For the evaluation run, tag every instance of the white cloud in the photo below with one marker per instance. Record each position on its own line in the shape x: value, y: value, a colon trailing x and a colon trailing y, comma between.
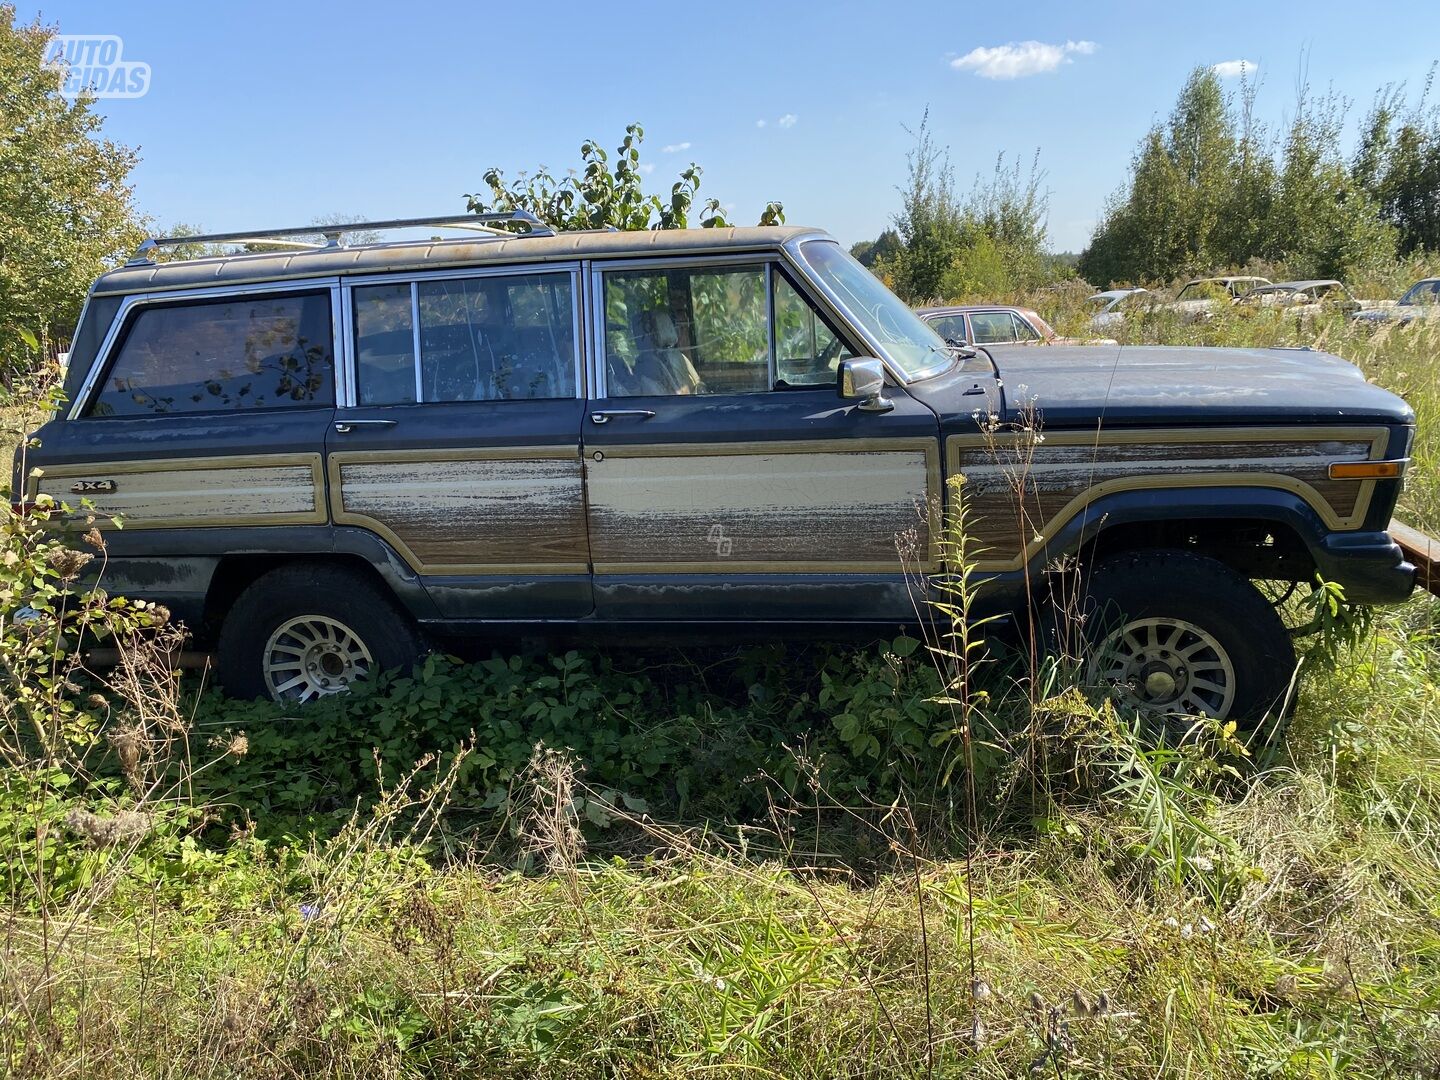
x: 647, y: 168
x: 759, y: 123
x: 789, y: 120
x: 675, y: 148
x: 1020, y: 58
x: 1229, y: 69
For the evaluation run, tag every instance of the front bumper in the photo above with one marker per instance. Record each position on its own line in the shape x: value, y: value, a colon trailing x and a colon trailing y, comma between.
x: 1369, y: 565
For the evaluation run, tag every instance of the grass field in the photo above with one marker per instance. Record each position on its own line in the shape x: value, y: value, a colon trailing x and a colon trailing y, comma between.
x: 731, y: 880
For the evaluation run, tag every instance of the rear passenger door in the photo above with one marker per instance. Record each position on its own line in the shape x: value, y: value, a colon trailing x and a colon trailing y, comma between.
x: 457, y: 441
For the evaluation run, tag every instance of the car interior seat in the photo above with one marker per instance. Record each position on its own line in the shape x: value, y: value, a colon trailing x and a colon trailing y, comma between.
x: 662, y: 368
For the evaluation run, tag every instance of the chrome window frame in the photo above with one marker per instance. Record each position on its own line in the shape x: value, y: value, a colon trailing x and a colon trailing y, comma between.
x: 766, y: 258
x: 130, y: 303
x: 794, y: 249
x: 349, y: 284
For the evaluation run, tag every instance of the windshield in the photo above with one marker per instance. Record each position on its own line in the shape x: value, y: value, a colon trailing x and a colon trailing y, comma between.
x: 909, y: 343
x: 1426, y: 292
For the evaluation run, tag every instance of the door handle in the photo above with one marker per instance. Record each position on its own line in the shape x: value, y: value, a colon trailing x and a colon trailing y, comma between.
x: 604, y: 416
x: 345, y: 427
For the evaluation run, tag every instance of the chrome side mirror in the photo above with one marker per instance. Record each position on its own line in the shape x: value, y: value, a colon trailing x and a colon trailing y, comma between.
x: 863, y: 379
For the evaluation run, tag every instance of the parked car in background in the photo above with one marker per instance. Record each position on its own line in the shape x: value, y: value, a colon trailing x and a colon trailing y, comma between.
x: 980, y: 324
x: 326, y: 459
x: 1420, y: 302
x: 1200, y: 297
x: 1113, y: 304
x: 1304, y: 297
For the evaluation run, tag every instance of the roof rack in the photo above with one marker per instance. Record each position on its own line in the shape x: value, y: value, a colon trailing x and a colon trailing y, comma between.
x: 484, y: 223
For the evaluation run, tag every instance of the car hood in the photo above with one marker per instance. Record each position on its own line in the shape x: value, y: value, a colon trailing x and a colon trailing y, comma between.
x: 1153, y: 385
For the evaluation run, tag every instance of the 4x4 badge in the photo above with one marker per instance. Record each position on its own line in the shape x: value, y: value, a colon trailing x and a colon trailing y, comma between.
x: 92, y: 487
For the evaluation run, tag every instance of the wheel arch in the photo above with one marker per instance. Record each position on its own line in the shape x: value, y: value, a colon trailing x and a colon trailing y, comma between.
x: 1259, y: 532
x: 355, y: 550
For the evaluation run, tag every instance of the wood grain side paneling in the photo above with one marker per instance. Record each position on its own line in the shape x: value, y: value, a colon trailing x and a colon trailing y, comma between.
x: 764, y: 508
x: 1020, y: 492
x: 279, y: 489
x: 468, y: 512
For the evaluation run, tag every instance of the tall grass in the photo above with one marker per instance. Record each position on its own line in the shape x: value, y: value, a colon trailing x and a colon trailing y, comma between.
x: 1069, y: 901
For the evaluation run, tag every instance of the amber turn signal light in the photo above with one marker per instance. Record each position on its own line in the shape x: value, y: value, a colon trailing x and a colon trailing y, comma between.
x: 1366, y: 470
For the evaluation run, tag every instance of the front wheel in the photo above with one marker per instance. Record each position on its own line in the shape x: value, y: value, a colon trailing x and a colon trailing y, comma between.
x: 1175, y: 635
x: 305, y: 631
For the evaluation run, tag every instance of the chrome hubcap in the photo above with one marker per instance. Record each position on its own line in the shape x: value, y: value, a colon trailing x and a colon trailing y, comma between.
x: 312, y: 656
x: 1167, y: 666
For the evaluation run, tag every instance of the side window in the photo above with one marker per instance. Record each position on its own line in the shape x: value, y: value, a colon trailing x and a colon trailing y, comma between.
x: 490, y: 338
x: 992, y: 327
x: 1023, y: 330
x: 231, y: 354
x: 696, y: 330
x: 807, y: 351
x: 951, y: 328
x: 384, y: 344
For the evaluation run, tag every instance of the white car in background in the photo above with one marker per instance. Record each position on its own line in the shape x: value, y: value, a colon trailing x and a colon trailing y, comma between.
x: 1201, y: 296
x: 1306, y: 297
x: 1421, y: 303
x: 1112, y: 305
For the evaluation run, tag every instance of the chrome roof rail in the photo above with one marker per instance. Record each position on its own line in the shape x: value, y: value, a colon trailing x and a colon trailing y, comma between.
x: 332, y: 233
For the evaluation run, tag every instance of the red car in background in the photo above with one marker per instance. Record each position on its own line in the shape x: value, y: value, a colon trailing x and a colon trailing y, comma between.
x: 982, y: 324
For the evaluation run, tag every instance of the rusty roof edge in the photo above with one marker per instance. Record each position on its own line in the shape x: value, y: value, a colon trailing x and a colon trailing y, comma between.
x: 422, y: 255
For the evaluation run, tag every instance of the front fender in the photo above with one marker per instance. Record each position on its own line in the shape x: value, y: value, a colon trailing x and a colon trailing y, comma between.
x: 1367, y: 562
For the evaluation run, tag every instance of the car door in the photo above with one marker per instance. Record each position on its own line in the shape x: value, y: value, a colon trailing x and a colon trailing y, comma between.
x: 725, y: 478
x: 458, y: 440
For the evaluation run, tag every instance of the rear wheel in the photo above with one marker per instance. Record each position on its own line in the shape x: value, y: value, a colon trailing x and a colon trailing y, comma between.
x: 302, y: 632
x: 1177, y: 635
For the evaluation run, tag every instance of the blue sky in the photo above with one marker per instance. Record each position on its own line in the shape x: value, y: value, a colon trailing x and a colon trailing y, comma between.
x: 268, y: 113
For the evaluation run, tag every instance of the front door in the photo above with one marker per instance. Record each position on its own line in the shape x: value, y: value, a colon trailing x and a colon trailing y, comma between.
x: 459, y: 442
x: 725, y: 477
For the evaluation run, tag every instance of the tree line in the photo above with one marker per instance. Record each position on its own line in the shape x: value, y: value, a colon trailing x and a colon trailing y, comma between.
x: 1209, y: 187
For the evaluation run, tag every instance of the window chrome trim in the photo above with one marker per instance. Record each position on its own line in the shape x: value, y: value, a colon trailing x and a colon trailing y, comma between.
x: 349, y: 284
x: 596, y: 360
x: 169, y: 296
x: 770, y: 324
x: 415, y: 343
x: 340, y: 322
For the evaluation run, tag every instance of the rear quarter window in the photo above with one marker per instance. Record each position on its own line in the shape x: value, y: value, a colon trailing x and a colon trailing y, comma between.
x: 237, y: 353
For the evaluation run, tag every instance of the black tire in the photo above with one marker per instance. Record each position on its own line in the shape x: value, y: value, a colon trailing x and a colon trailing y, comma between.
x: 302, y: 590
x: 1129, y: 589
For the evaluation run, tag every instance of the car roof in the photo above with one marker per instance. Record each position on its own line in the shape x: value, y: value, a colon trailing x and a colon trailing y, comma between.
x: 442, y: 255
x: 1304, y: 284
x: 1115, y: 293
x: 965, y: 309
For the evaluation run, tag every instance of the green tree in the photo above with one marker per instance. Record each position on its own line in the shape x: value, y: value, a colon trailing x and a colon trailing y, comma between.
x: 883, y: 249
x: 1168, y: 220
x: 605, y: 195
x: 1322, y: 222
x: 1208, y: 189
x: 989, y: 241
x: 1398, y: 166
x: 66, y: 211
x: 931, y: 222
